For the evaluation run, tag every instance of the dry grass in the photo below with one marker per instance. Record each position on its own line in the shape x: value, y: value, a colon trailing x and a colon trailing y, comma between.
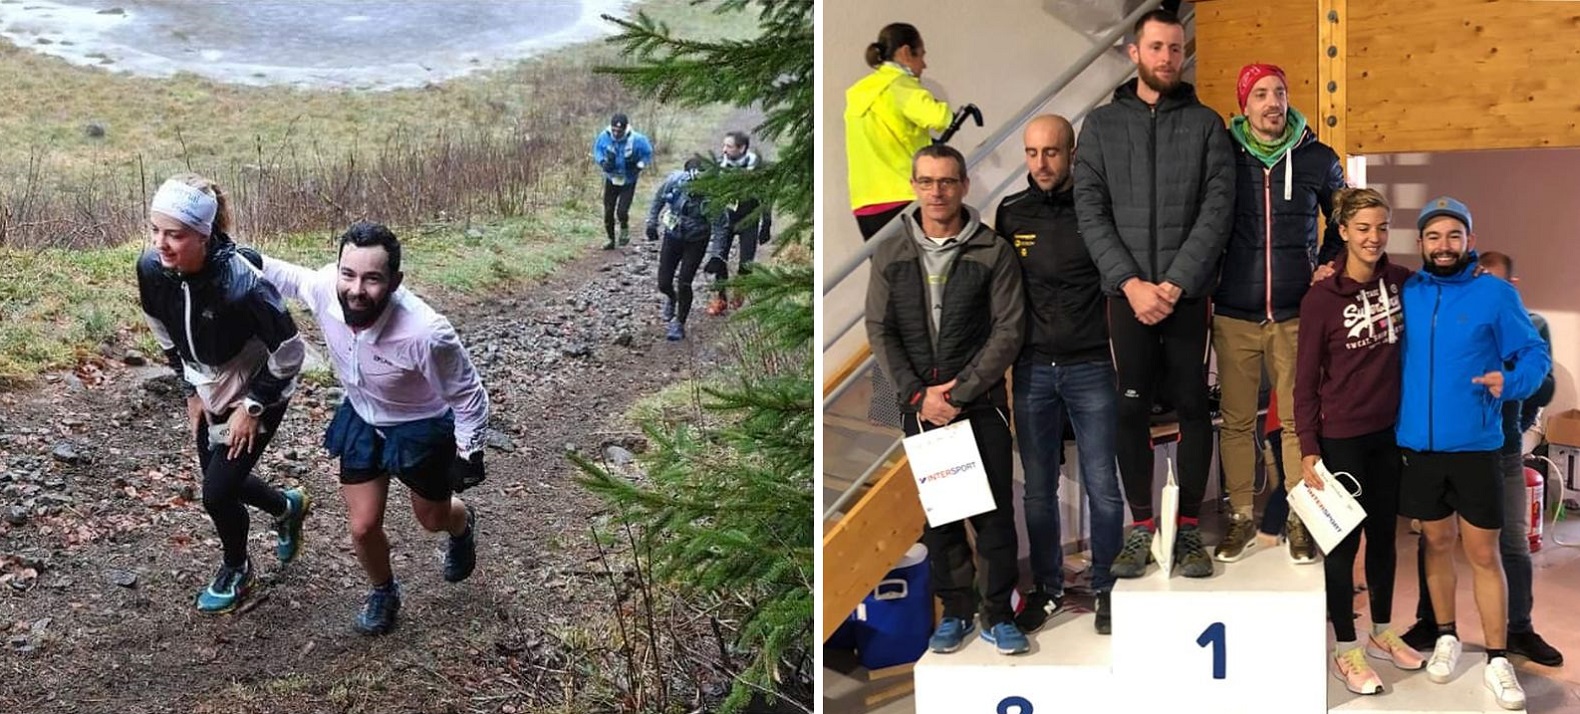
x: 58, y: 306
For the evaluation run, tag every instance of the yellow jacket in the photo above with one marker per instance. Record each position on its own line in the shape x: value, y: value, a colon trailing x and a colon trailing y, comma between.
x: 887, y: 116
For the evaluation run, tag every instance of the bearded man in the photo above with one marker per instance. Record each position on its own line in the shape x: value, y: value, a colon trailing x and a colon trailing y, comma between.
x: 414, y: 409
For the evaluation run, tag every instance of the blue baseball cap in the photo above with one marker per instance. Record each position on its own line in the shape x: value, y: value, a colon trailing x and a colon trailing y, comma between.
x: 1444, y: 206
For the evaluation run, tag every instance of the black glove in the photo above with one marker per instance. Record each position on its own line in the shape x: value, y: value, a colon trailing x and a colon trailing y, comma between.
x: 466, y: 473
x: 607, y: 166
x: 715, y: 266
x: 652, y: 231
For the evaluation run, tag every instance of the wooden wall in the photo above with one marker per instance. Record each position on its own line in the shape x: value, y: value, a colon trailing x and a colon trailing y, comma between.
x: 1444, y: 75
x: 1421, y: 76
x: 1233, y: 33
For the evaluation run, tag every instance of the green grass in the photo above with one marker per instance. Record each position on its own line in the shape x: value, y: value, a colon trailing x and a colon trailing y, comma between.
x: 58, y: 307
x: 45, y: 104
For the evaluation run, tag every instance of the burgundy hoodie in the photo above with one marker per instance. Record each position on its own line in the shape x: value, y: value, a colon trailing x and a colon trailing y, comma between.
x: 1347, y: 366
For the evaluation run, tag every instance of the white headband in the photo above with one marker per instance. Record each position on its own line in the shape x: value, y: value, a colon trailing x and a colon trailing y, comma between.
x: 187, y: 204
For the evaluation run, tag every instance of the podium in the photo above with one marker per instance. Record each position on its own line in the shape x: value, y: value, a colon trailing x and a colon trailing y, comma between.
x: 1251, y: 638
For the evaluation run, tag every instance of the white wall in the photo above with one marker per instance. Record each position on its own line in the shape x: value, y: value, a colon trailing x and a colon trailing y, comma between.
x: 997, y: 55
x: 1525, y: 203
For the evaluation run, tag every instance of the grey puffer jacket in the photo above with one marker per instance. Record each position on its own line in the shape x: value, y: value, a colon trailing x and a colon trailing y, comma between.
x: 1154, y: 190
x: 950, y: 311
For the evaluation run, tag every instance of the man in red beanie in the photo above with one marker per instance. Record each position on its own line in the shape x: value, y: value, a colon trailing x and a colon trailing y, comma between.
x: 1284, y: 176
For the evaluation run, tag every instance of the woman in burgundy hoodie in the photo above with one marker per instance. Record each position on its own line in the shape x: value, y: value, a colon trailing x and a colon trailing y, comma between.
x: 1347, y: 380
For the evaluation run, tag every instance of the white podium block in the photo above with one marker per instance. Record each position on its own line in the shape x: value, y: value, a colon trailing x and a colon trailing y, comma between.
x: 1252, y: 638
x: 1067, y: 670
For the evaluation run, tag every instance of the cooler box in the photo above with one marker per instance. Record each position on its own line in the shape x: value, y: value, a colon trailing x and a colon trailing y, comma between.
x: 895, y: 621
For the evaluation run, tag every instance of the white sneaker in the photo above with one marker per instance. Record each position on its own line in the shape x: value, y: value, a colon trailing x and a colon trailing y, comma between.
x: 1445, y: 658
x: 1499, y: 677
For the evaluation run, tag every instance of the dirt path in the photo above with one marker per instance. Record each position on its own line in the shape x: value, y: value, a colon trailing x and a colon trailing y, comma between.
x: 561, y: 359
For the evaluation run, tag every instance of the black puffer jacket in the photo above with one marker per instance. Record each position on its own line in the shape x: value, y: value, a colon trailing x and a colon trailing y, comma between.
x: 1065, y: 322
x: 207, y: 319
x: 1267, y: 265
x: 1154, y: 189
x: 979, y: 322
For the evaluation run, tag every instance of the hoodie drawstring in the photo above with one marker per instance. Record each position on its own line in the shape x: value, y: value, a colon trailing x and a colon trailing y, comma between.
x: 1289, y: 173
x: 1382, y: 289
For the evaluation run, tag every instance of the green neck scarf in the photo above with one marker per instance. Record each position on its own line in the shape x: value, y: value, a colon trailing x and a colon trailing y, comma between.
x: 1269, y: 153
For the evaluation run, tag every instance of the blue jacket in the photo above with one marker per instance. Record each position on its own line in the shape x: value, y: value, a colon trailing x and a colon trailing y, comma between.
x: 622, y: 160
x: 1458, y: 328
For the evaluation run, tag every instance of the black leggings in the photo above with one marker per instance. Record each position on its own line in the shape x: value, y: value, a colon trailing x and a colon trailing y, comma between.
x: 682, y: 256
x: 1373, y: 460
x: 228, y: 484
x: 617, y: 204
x: 954, y: 572
x: 1177, y: 345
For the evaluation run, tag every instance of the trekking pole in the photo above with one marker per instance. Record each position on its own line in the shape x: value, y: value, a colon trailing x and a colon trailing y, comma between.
x: 969, y: 110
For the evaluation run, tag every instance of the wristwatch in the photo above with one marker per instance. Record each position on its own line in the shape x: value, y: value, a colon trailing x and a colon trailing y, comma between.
x: 254, y: 409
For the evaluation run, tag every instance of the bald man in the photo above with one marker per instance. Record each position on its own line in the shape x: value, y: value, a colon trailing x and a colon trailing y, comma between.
x: 1064, y: 369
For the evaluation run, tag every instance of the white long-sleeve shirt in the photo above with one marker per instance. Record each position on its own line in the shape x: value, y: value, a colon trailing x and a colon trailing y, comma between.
x: 408, y: 365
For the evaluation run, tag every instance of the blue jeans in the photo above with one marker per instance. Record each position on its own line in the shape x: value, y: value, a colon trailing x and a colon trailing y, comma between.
x: 1044, y: 393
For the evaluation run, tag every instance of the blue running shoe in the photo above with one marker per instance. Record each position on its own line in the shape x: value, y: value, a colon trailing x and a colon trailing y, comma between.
x: 379, y: 610
x: 950, y: 635
x: 227, y: 591
x: 677, y: 331
x: 1007, y: 638
x: 288, y: 528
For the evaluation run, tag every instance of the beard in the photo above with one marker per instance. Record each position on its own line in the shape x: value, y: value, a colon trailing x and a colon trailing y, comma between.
x: 364, y: 317
x: 1430, y: 263
x: 1158, y: 84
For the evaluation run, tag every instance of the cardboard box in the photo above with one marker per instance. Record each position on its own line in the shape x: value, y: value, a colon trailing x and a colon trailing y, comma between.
x: 1564, y: 428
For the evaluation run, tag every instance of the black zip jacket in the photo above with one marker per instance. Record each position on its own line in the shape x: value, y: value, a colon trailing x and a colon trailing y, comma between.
x: 1273, y: 247
x: 1065, y: 321
x: 211, y: 323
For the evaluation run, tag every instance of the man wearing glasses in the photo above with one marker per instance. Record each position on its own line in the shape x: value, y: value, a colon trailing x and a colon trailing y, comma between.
x: 947, y: 351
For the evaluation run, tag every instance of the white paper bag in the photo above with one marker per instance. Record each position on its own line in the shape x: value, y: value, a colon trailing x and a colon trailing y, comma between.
x: 1168, y: 522
x: 1329, y: 514
x: 950, y: 477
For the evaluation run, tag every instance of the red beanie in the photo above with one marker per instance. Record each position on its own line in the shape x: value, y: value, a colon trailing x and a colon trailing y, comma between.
x: 1253, y: 73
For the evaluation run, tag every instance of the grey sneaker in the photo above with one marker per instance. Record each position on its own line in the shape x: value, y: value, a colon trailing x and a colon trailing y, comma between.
x: 1135, y: 555
x: 1302, y: 547
x: 1238, y: 541
x: 1189, y: 553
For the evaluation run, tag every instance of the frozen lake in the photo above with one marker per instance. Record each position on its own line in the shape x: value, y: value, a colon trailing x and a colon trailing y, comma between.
x: 382, y: 44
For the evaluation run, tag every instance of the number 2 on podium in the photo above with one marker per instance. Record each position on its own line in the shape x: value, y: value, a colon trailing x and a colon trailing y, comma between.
x: 1214, y: 635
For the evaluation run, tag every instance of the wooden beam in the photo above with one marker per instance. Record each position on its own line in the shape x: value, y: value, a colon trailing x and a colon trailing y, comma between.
x: 866, y: 544
x: 846, y: 369
x: 1333, y: 83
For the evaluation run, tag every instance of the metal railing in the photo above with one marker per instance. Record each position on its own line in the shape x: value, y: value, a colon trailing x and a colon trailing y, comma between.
x: 833, y: 278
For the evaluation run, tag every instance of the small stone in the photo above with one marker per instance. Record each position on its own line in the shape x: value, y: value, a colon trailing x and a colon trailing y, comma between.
x: 576, y: 350
x: 572, y: 448
x: 617, y: 455
x: 123, y: 578
x: 624, y: 339
x: 17, y: 515
x: 498, y: 441
x: 293, y: 455
x: 334, y: 396
x: 474, y: 233
x: 132, y: 358
x: 64, y: 453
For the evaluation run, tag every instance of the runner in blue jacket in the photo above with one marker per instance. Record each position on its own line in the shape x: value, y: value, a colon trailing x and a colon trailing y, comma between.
x: 1463, y: 330
x: 622, y: 153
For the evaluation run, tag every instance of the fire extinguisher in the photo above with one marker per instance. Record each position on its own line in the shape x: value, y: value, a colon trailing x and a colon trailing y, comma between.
x: 1534, y: 494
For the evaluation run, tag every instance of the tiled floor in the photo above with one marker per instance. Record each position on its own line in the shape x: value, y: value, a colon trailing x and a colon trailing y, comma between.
x: 1548, y: 690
